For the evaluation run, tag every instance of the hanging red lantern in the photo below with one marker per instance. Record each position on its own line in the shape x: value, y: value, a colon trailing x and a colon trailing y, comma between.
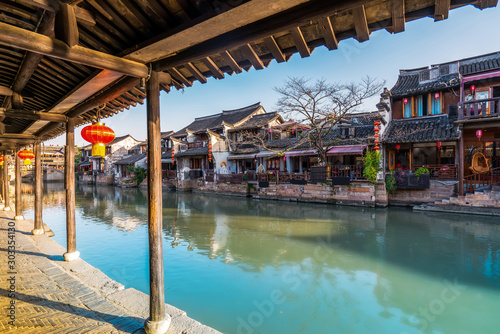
x: 438, y: 145
x: 473, y: 88
x: 376, y: 148
x: 376, y: 135
x: 284, y: 158
x: 376, y: 141
x: 479, y: 134
x: 398, y: 146
x: 405, y: 100
x: 26, y: 155
x: 436, y: 96
x: 99, y: 135
x: 376, y: 130
x: 173, y: 158
x: 376, y: 123
x: 1, y: 160
x: 209, y: 152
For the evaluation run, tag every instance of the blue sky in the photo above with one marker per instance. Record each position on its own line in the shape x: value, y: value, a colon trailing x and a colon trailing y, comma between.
x: 467, y: 32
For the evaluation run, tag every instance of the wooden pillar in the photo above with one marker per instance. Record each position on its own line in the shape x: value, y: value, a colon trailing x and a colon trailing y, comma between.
x: 461, y: 165
x: 2, y: 187
x: 38, y: 226
x: 158, y: 321
x: 18, y: 204
x: 6, y: 181
x: 69, y: 174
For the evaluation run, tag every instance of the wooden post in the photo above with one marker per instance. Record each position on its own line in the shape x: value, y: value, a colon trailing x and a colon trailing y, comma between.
x: 6, y: 181
x: 461, y: 165
x: 158, y: 321
x: 38, y: 226
x: 69, y: 174
x: 2, y: 187
x: 18, y: 204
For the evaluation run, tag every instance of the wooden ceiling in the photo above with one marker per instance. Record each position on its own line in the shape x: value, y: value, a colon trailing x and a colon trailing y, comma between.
x: 75, y: 58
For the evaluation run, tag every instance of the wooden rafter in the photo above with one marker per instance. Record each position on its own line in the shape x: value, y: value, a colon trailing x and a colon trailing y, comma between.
x: 26, y: 40
x: 300, y: 42
x: 216, y: 72
x: 398, y: 16
x: 66, y: 28
x: 180, y: 77
x: 325, y: 25
x: 273, y: 46
x: 252, y: 57
x: 441, y: 10
x: 231, y: 62
x: 82, y: 15
x: 361, y: 24
x: 196, y: 73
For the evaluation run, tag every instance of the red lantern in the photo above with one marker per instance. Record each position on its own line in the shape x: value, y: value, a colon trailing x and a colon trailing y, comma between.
x: 98, y: 134
x: 376, y: 123
x: 209, y: 152
x: 376, y: 148
x: 26, y: 155
x: 405, y: 100
x: 376, y: 130
x: 436, y: 96
x: 473, y: 88
x: 398, y: 146
x: 479, y: 134
x: 438, y: 145
x: 173, y: 153
x: 376, y: 141
x: 376, y: 135
x: 284, y: 158
x: 1, y: 160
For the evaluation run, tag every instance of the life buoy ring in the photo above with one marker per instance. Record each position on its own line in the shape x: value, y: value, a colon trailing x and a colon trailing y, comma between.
x: 223, y: 164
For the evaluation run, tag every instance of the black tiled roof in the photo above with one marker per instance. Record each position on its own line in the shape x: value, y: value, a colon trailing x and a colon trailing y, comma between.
x: 365, y: 118
x: 193, y: 152
x: 131, y: 159
x: 362, y: 135
x: 256, y: 121
x: 421, y: 129
x: 167, y: 154
x: 214, y: 122
x: 408, y: 80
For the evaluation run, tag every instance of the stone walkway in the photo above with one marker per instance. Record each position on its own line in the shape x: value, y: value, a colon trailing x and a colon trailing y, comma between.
x: 47, y: 295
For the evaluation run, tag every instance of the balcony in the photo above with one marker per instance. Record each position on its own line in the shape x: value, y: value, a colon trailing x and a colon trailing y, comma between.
x: 479, y: 108
x: 197, y: 144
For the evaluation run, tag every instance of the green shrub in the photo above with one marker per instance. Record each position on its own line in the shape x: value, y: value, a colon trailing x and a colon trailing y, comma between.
x: 421, y: 171
x: 371, y: 162
x: 390, y: 183
x: 139, y: 174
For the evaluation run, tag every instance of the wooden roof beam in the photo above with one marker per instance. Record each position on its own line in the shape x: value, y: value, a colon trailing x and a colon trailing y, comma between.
x: 325, y: 25
x: 83, y: 16
x: 361, y: 24
x: 300, y: 42
x: 32, y: 115
x: 66, y: 28
x: 254, y: 59
x: 441, y: 10
x: 398, y: 16
x: 273, y: 46
x: 134, y: 98
x: 216, y: 72
x: 231, y: 62
x: 197, y: 74
x: 26, y: 40
x: 6, y: 91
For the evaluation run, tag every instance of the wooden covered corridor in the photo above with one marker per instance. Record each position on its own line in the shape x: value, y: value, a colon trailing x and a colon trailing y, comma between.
x: 66, y: 63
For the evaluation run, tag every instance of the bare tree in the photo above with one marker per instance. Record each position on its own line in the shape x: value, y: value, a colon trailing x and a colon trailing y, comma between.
x: 322, y: 105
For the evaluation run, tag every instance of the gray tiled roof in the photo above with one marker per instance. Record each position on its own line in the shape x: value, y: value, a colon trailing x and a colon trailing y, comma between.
x: 408, y: 80
x: 421, y: 129
x: 214, y: 122
x: 131, y: 159
x: 256, y: 121
x: 362, y: 135
x: 167, y: 154
x: 193, y: 152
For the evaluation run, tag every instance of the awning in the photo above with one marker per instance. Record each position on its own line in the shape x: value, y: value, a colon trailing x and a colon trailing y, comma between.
x: 347, y: 150
x: 84, y: 164
x: 265, y: 154
x: 301, y: 153
x: 241, y: 156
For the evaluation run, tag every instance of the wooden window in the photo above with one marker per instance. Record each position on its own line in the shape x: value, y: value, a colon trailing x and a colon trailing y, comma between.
x: 195, y: 163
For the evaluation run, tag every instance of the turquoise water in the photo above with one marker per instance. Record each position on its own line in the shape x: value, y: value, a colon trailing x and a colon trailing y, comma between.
x: 247, y: 266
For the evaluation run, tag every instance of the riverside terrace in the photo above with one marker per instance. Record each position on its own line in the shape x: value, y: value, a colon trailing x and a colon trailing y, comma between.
x: 69, y: 63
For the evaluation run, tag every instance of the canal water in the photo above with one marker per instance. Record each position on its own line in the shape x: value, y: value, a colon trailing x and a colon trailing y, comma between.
x: 248, y: 266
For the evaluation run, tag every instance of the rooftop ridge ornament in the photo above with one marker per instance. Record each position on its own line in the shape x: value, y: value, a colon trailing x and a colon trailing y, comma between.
x: 99, y: 135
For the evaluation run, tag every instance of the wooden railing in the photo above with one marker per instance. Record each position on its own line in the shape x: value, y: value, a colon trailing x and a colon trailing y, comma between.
x: 354, y: 172
x: 443, y: 172
x: 479, y: 180
x: 476, y: 108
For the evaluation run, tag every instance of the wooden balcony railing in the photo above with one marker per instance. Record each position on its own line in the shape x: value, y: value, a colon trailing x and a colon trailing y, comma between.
x: 479, y: 180
x: 197, y: 144
x: 354, y: 172
x: 477, y: 108
x: 443, y: 172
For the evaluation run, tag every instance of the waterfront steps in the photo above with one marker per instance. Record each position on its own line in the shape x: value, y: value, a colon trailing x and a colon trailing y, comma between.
x: 52, y: 296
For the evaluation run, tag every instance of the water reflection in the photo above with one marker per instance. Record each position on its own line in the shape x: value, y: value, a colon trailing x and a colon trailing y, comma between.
x: 356, y: 268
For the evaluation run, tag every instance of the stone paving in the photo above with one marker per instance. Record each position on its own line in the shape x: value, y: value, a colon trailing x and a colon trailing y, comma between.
x: 47, y: 295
